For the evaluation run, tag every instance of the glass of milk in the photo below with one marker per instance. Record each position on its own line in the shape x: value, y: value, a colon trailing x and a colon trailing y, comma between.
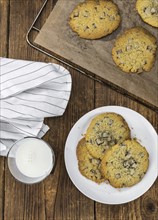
x: 30, y: 160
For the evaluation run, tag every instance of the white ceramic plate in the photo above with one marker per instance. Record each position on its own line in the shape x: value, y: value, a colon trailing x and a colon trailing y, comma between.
x: 104, y: 193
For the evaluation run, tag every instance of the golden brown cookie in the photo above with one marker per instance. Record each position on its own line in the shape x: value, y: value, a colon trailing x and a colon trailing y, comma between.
x: 104, y: 131
x: 125, y: 164
x: 148, y: 10
x: 94, y: 19
x: 135, y: 50
x: 88, y: 166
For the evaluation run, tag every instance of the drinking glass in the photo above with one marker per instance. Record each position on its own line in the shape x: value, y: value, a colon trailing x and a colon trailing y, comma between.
x: 30, y: 160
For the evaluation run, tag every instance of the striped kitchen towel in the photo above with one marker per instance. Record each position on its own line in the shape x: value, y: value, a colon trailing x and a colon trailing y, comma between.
x: 29, y: 92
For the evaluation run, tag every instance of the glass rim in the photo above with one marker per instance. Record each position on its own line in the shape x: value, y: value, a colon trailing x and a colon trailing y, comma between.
x: 44, y: 176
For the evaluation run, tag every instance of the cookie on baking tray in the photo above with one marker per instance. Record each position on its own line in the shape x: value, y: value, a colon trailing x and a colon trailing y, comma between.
x: 148, y: 10
x: 88, y: 166
x: 135, y: 50
x: 125, y: 164
x: 104, y: 131
x: 94, y: 19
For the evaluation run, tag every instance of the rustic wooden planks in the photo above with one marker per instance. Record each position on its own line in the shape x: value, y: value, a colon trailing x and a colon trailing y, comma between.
x: 56, y: 198
x: 4, y: 7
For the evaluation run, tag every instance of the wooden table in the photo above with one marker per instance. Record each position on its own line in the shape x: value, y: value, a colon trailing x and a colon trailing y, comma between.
x: 56, y: 197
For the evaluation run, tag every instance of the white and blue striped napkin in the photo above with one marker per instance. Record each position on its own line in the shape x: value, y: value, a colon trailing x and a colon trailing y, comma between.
x: 29, y: 92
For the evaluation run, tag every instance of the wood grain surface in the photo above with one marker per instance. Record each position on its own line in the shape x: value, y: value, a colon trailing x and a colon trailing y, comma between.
x: 56, y: 198
x: 95, y: 55
x: 4, y: 7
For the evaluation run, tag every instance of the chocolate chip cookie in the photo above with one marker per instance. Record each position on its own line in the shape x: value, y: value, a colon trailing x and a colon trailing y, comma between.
x: 94, y: 19
x: 88, y: 165
x: 125, y: 164
x: 148, y: 10
x: 104, y: 131
x: 134, y: 50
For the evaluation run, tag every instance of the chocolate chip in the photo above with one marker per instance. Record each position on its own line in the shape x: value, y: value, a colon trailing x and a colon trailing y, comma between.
x: 97, y: 124
x: 141, y: 154
x: 91, y: 141
x: 144, y: 9
x: 153, y: 11
x: 94, y: 25
x: 99, y: 141
x: 149, y: 48
x: 110, y: 122
x: 76, y: 14
x: 112, y: 143
x: 85, y: 13
x: 119, y: 51
x: 123, y: 145
x: 86, y: 28
x: 105, y: 134
x: 93, y: 171
x: 118, y: 176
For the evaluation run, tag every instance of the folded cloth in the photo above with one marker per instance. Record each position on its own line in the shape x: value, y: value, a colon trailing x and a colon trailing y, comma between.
x: 29, y: 92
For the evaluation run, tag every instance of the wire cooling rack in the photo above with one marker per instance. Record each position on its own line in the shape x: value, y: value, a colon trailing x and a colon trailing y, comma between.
x: 29, y: 39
